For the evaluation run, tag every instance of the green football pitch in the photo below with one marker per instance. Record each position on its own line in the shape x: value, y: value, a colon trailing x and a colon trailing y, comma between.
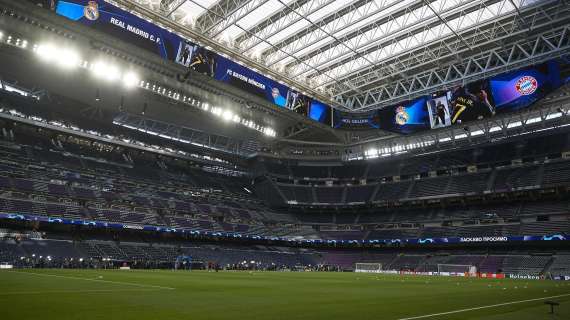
x: 142, y: 295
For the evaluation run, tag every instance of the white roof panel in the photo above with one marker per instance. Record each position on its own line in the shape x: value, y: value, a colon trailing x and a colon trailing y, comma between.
x: 372, y: 32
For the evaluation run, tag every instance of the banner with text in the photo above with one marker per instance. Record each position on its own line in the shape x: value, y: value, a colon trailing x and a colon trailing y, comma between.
x: 134, y: 30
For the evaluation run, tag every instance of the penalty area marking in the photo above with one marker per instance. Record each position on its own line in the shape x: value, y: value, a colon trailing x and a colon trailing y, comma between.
x: 483, y: 307
x: 95, y: 280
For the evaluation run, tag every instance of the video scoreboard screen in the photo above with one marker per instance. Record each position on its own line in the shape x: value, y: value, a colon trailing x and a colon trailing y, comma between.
x: 461, y: 104
x: 139, y: 32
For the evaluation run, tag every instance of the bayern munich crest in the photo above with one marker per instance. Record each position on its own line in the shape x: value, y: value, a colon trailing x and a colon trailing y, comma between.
x: 402, y: 116
x: 91, y: 11
x: 526, y: 85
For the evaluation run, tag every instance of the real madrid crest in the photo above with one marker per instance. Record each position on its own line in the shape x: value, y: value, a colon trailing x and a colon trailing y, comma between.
x: 402, y: 116
x: 91, y: 11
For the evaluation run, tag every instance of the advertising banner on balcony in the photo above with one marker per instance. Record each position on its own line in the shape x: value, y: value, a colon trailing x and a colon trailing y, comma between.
x: 22, y: 216
x: 137, y: 31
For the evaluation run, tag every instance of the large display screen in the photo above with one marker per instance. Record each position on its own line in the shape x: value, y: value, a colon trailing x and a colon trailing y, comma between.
x: 519, y: 89
x: 477, y: 100
x: 136, y: 31
x: 348, y: 120
x: 473, y: 101
x: 406, y: 117
x: 460, y: 104
x: 320, y: 112
x: 122, y: 25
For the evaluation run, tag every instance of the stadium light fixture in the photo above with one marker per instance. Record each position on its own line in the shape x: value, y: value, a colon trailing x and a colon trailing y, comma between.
x: 227, y: 115
x: 130, y: 79
x: 99, y: 69
x: 46, y: 52
x: 68, y: 58
x: 476, y: 133
x: 105, y: 71
x: 371, y: 153
x: 216, y: 111
x: 269, y: 132
x: 514, y: 124
x: 113, y: 73
x: 533, y: 120
x: 553, y: 115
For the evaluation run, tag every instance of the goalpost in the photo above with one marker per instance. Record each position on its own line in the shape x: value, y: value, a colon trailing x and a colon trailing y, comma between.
x: 368, y: 267
x: 454, y: 269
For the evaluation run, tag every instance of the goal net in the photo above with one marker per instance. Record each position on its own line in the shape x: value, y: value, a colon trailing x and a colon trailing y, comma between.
x: 368, y: 267
x: 455, y: 269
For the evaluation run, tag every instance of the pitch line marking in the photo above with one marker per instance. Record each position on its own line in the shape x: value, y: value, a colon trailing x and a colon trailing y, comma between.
x: 74, y: 291
x: 484, y: 307
x: 95, y: 280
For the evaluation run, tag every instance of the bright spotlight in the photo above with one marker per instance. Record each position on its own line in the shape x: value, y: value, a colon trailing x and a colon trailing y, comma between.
x: 68, y: 58
x: 371, y: 152
x: 236, y: 118
x: 269, y: 132
x: 104, y: 71
x: 46, y: 52
x: 227, y: 115
x: 130, y: 79
x: 113, y: 73
x: 99, y: 69
x: 217, y: 111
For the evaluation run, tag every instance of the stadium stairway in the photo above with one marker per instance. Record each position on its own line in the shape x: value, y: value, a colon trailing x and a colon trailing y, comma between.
x: 548, y: 265
x: 491, y: 181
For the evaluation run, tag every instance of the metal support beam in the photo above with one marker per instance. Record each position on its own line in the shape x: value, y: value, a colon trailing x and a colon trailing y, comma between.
x: 169, y: 6
x: 153, y: 14
x: 184, y: 135
x: 219, y: 12
x: 434, y: 67
x: 488, y: 63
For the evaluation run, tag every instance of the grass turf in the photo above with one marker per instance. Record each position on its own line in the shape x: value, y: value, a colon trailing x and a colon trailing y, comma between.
x: 142, y: 295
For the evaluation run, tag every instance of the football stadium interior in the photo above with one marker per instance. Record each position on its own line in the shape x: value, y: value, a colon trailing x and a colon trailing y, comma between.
x: 285, y: 159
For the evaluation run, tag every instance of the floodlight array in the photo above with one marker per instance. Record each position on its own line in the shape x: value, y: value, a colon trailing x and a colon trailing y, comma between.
x: 69, y: 59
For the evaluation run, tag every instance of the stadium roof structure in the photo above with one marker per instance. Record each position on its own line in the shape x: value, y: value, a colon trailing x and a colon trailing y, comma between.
x: 359, y: 55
